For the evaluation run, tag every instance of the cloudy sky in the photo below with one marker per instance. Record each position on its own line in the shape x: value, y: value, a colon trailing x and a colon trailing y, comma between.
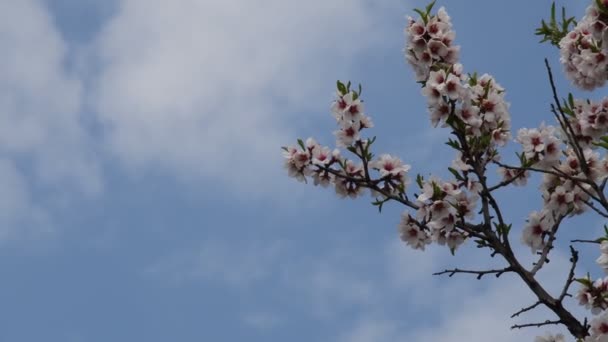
x: 143, y: 195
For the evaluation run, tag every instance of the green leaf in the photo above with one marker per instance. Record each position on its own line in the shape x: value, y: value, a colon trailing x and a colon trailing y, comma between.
x: 554, y: 31
x: 437, y: 191
x: 584, y: 281
x: 473, y: 79
x: 422, y: 15
x: 429, y: 7
x: 601, y: 144
x: 341, y: 88
x: 380, y: 202
x: 420, y: 181
x: 453, y: 144
x: 456, y: 174
x: 301, y: 143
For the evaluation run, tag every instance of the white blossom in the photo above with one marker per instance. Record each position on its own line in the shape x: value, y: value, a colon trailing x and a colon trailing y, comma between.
x: 599, y: 329
x: 537, y: 226
x: 411, y: 233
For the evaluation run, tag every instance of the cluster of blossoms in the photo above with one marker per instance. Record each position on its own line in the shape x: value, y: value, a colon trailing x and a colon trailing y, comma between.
x: 541, y: 146
x: 593, y: 295
x: 589, y: 121
x: 475, y: 109
x: 562, y: 192
x: 327, y: 167
x: 562, y: 196
x: 430, y: 43
x: 441, y: 205
x: 584, y: 50
x: 349, y: 113
x: 474, y: 105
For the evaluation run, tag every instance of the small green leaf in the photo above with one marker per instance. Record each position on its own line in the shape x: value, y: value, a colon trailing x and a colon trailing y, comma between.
x: 571, y: 100
x: 422, y: 15
x: 420, y: 181
x: 429, y: 7
x: 341, y: 88
x: 437, y: 191
x: 601, y: 144
x: 456, y: 174
x: 301, y: 143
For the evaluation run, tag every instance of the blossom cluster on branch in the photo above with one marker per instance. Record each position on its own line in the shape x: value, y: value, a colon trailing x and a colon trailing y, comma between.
x: 584, y: 50
x: 474, y: 109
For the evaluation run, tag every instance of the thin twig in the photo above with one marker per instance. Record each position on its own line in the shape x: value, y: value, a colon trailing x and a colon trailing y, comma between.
x: 547, y: 248
x: 479, y: 274
x: 571, y: 136
x: 586, y: 241
x: 596, y: 209
x: 526, y: 309
x: 538, y: 325
x: 555, y: 173
x: 570, y: 279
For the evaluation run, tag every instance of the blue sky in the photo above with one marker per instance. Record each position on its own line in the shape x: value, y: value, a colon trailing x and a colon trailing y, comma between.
x: 143, y: 192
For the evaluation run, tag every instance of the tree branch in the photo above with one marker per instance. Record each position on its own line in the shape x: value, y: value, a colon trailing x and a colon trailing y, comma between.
x: 547, y: 248
x: 479, y: 274
x: 538, y: 325
x: 570, y: 279
x: 526, y: 309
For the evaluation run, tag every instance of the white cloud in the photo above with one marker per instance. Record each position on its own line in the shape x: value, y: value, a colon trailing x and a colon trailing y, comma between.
x: 464, y: 309
x: 43, y: 143
x: 40, y: 101
x: 210, y: 87
x: 238, y: 264
x: 331, y: 284
x: 373, y: 330
x: 372, y: 296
